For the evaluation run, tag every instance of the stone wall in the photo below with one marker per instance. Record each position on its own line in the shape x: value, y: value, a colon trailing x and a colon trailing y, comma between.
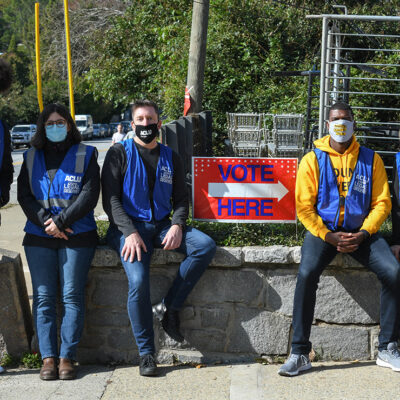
x: 240, y: 309
x: 16, y: 329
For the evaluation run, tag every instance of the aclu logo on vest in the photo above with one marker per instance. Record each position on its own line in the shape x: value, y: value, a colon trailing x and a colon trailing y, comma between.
x: 361, y: 183
x: 166, y: 175
x: 72, y: 184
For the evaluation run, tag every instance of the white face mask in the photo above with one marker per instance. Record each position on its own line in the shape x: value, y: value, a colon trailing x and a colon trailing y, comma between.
x: 341, y: 130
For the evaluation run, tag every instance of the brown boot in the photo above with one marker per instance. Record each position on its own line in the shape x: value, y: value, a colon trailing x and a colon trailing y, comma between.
x: 66, y: 369
x: 48, y: 371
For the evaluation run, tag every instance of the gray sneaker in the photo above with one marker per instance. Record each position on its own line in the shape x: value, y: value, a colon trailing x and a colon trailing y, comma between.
x: 389, y: 358
x: 295, y: 364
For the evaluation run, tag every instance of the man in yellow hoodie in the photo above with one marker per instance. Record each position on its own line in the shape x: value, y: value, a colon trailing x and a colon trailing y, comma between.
x: 342, y: 198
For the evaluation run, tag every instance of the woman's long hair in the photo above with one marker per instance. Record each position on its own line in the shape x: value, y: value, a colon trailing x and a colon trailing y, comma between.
x: 39, y: 140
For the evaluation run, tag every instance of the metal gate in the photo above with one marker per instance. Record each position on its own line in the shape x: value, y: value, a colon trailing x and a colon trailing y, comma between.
x: 360, y: 64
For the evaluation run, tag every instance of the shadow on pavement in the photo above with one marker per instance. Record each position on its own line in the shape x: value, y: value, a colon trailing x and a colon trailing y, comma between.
x: 342, y: 366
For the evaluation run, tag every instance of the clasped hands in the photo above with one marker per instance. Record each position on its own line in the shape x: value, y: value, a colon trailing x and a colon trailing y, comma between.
x: 52, y: 230
x: 134, y: 243
x: 345, y: 242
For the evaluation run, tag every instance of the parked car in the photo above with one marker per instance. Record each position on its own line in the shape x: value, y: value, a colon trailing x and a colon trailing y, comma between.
x: 105, y: 130
x: 21, y: 135
x: 84, y: 123
x: 96, y: 130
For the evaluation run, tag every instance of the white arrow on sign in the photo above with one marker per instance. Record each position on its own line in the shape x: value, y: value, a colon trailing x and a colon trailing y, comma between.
x: 248, y: 190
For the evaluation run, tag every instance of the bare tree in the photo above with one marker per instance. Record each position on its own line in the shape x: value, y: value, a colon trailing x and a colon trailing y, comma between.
x: 88, y: 22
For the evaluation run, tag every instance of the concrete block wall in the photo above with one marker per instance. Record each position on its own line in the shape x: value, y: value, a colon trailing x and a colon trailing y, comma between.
x: 240, y: 309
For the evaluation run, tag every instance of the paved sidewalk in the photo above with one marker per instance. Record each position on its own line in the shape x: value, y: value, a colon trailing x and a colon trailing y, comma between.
x: 328, y: 380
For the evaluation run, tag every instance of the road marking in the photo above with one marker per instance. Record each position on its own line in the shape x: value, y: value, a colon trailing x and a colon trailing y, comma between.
x: 245, y: 382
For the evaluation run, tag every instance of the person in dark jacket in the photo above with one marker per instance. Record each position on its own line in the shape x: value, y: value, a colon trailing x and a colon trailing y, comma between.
x: 6, y: 166
x: 58, y: 188
x: 143, y: 183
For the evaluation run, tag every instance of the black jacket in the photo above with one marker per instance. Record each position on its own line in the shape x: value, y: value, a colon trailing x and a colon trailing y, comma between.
x: 7, y: 169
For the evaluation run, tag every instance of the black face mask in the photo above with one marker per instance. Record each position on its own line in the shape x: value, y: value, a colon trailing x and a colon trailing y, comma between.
x: 146, y: 133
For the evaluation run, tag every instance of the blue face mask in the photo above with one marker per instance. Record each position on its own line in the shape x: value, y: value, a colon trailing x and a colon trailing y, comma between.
x: 55, y: 133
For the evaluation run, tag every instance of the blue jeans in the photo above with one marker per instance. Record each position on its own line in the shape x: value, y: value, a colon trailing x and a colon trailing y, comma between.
x: 199, y: 250
x: 375, y: 254
x: 50, y: 267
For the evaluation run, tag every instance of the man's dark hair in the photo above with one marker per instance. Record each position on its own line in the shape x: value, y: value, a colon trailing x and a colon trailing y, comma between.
x: 341, y: 105
x: 39, y: 140
x: 5, y: 75
x: 144, y: 103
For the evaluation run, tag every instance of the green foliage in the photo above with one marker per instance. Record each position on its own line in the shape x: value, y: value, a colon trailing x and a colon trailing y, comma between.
x: 238, y: 235
x: 7, y: 361
x: 31, y: 360
x: 102, y: 227
x: 144, y: 53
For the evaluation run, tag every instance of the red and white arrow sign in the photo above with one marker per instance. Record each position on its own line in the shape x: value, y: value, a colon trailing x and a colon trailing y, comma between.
x: 248, y: 190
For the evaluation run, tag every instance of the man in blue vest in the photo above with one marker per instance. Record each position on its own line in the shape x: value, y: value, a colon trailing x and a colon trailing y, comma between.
x: 143, y: 182
x: 6, y: 166
x: 342, y: 198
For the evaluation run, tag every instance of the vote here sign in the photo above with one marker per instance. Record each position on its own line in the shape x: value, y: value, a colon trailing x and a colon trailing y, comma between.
x: 232, y: 189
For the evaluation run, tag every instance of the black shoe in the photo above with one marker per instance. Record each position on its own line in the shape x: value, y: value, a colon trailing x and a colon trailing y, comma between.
x: 148, y: 366
x: 171, y: 324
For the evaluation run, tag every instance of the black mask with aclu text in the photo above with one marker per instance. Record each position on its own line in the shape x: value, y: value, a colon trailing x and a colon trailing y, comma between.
x: 146, y: 133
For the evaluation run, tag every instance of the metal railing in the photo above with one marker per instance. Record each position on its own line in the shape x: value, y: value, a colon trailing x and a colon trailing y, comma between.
x: 360, y: 65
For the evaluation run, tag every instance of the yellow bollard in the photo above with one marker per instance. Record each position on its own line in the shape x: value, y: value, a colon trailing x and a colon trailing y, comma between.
x: 70, y: 82
x: 37, y: 46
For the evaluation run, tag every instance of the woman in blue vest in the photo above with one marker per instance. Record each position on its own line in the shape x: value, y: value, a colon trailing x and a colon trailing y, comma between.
x: 58, y: 188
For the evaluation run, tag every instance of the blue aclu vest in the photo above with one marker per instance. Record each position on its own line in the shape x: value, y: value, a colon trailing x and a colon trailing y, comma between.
x: 135, y: 196
x: 358, y: 200
x: 1, y: 146
x: 398, y: 166
x: 63, y: 190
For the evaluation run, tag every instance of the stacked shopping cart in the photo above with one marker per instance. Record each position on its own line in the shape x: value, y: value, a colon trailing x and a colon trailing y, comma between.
x: 287, y: 136
x: 245, y: 134
x: 249, y: 136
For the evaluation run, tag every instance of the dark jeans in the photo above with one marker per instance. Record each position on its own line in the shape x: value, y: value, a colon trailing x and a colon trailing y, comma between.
x: 375, y: 254
x: 50, y: 267
x: 199, y: 250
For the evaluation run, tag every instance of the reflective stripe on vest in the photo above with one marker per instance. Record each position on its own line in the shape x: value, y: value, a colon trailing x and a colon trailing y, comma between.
x: 358, y: 199
x: 135, y: 193
x: 1, y: 146
x: 65, y: 187
x: 79, y: 169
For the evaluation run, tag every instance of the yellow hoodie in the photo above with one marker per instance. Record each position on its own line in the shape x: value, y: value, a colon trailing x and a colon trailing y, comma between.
x: 344, y: 165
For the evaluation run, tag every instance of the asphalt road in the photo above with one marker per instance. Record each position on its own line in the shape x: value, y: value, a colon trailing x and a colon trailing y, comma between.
x: 102, y: 146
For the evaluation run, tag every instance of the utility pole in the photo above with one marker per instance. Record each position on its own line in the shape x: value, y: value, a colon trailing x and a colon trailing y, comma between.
x: 197, y: 54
